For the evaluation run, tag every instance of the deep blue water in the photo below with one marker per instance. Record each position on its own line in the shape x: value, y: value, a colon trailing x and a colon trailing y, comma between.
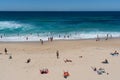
x: 78, y: 25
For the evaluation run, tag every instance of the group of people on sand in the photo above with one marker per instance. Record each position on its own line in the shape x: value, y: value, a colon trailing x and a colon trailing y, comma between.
x: 115, y: 53
x: 66, y: 74
x: 46, y: 71
x: 6, y: 52
x: 100, y: 71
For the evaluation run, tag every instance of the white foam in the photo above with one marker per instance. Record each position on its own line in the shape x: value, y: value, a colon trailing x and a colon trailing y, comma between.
x: 72, y: 35
x: 12, y: 25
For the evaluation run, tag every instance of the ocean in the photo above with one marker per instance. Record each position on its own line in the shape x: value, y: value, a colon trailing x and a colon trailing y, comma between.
x: 16, y: 26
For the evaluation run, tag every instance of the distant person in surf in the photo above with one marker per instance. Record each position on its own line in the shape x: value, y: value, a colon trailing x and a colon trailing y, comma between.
x: 59, y: 36
x: 1, y: 36
x: 4, y: 34
x: 18, y: 34
x: 51, y: 39
x: 111, y: 36
x: 48, y: 38
x: 41, y: 41
x: 38, y: 34
x: 107, y: 37
x: 64, y: 36
x: 26, y: 38
x: 68, y: 36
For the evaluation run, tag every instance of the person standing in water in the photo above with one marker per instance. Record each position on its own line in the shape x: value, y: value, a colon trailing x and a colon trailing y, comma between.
x: 26, y: 38
x: 97, y: 39
x: 41, y: 41
x: 1, y: 36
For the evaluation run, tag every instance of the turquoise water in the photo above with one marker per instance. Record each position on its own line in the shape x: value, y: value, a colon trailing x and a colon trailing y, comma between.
x: 16, y: 26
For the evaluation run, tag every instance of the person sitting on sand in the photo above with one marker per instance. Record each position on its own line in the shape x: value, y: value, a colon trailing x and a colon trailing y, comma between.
x: 10, y: 57
x: 44, y: 71
x: 67, y: 60
x: 28, y: 60
x: 80, y: 56
x: 66, y: 74
x: 116, y: 52
x: 105, y: 62
x: 5, y: 50
x: 94, y: 68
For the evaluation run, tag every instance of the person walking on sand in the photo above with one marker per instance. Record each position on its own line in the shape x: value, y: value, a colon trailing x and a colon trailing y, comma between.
x: 97, y: 39
x: 5, y: 51
x: 107, y: 37
x: 41, y: 41
x: 57, y: 54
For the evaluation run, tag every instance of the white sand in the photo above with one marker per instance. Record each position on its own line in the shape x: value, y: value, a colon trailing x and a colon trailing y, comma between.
x: 44, y: 56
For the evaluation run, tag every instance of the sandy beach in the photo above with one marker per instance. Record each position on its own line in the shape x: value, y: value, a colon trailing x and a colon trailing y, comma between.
x: 84, y: 55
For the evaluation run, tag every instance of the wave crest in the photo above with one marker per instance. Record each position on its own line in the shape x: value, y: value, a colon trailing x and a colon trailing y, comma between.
x: 11, y: 25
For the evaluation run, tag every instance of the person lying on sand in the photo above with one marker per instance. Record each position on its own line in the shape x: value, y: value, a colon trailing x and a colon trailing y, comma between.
x: 66, y: 74
x: 44, y: 71
x: 67, y: 60
x: 100, y: 71
x: 115, y: 53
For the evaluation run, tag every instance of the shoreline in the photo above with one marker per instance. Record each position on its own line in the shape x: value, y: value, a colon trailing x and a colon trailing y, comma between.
x: 28, y: 41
